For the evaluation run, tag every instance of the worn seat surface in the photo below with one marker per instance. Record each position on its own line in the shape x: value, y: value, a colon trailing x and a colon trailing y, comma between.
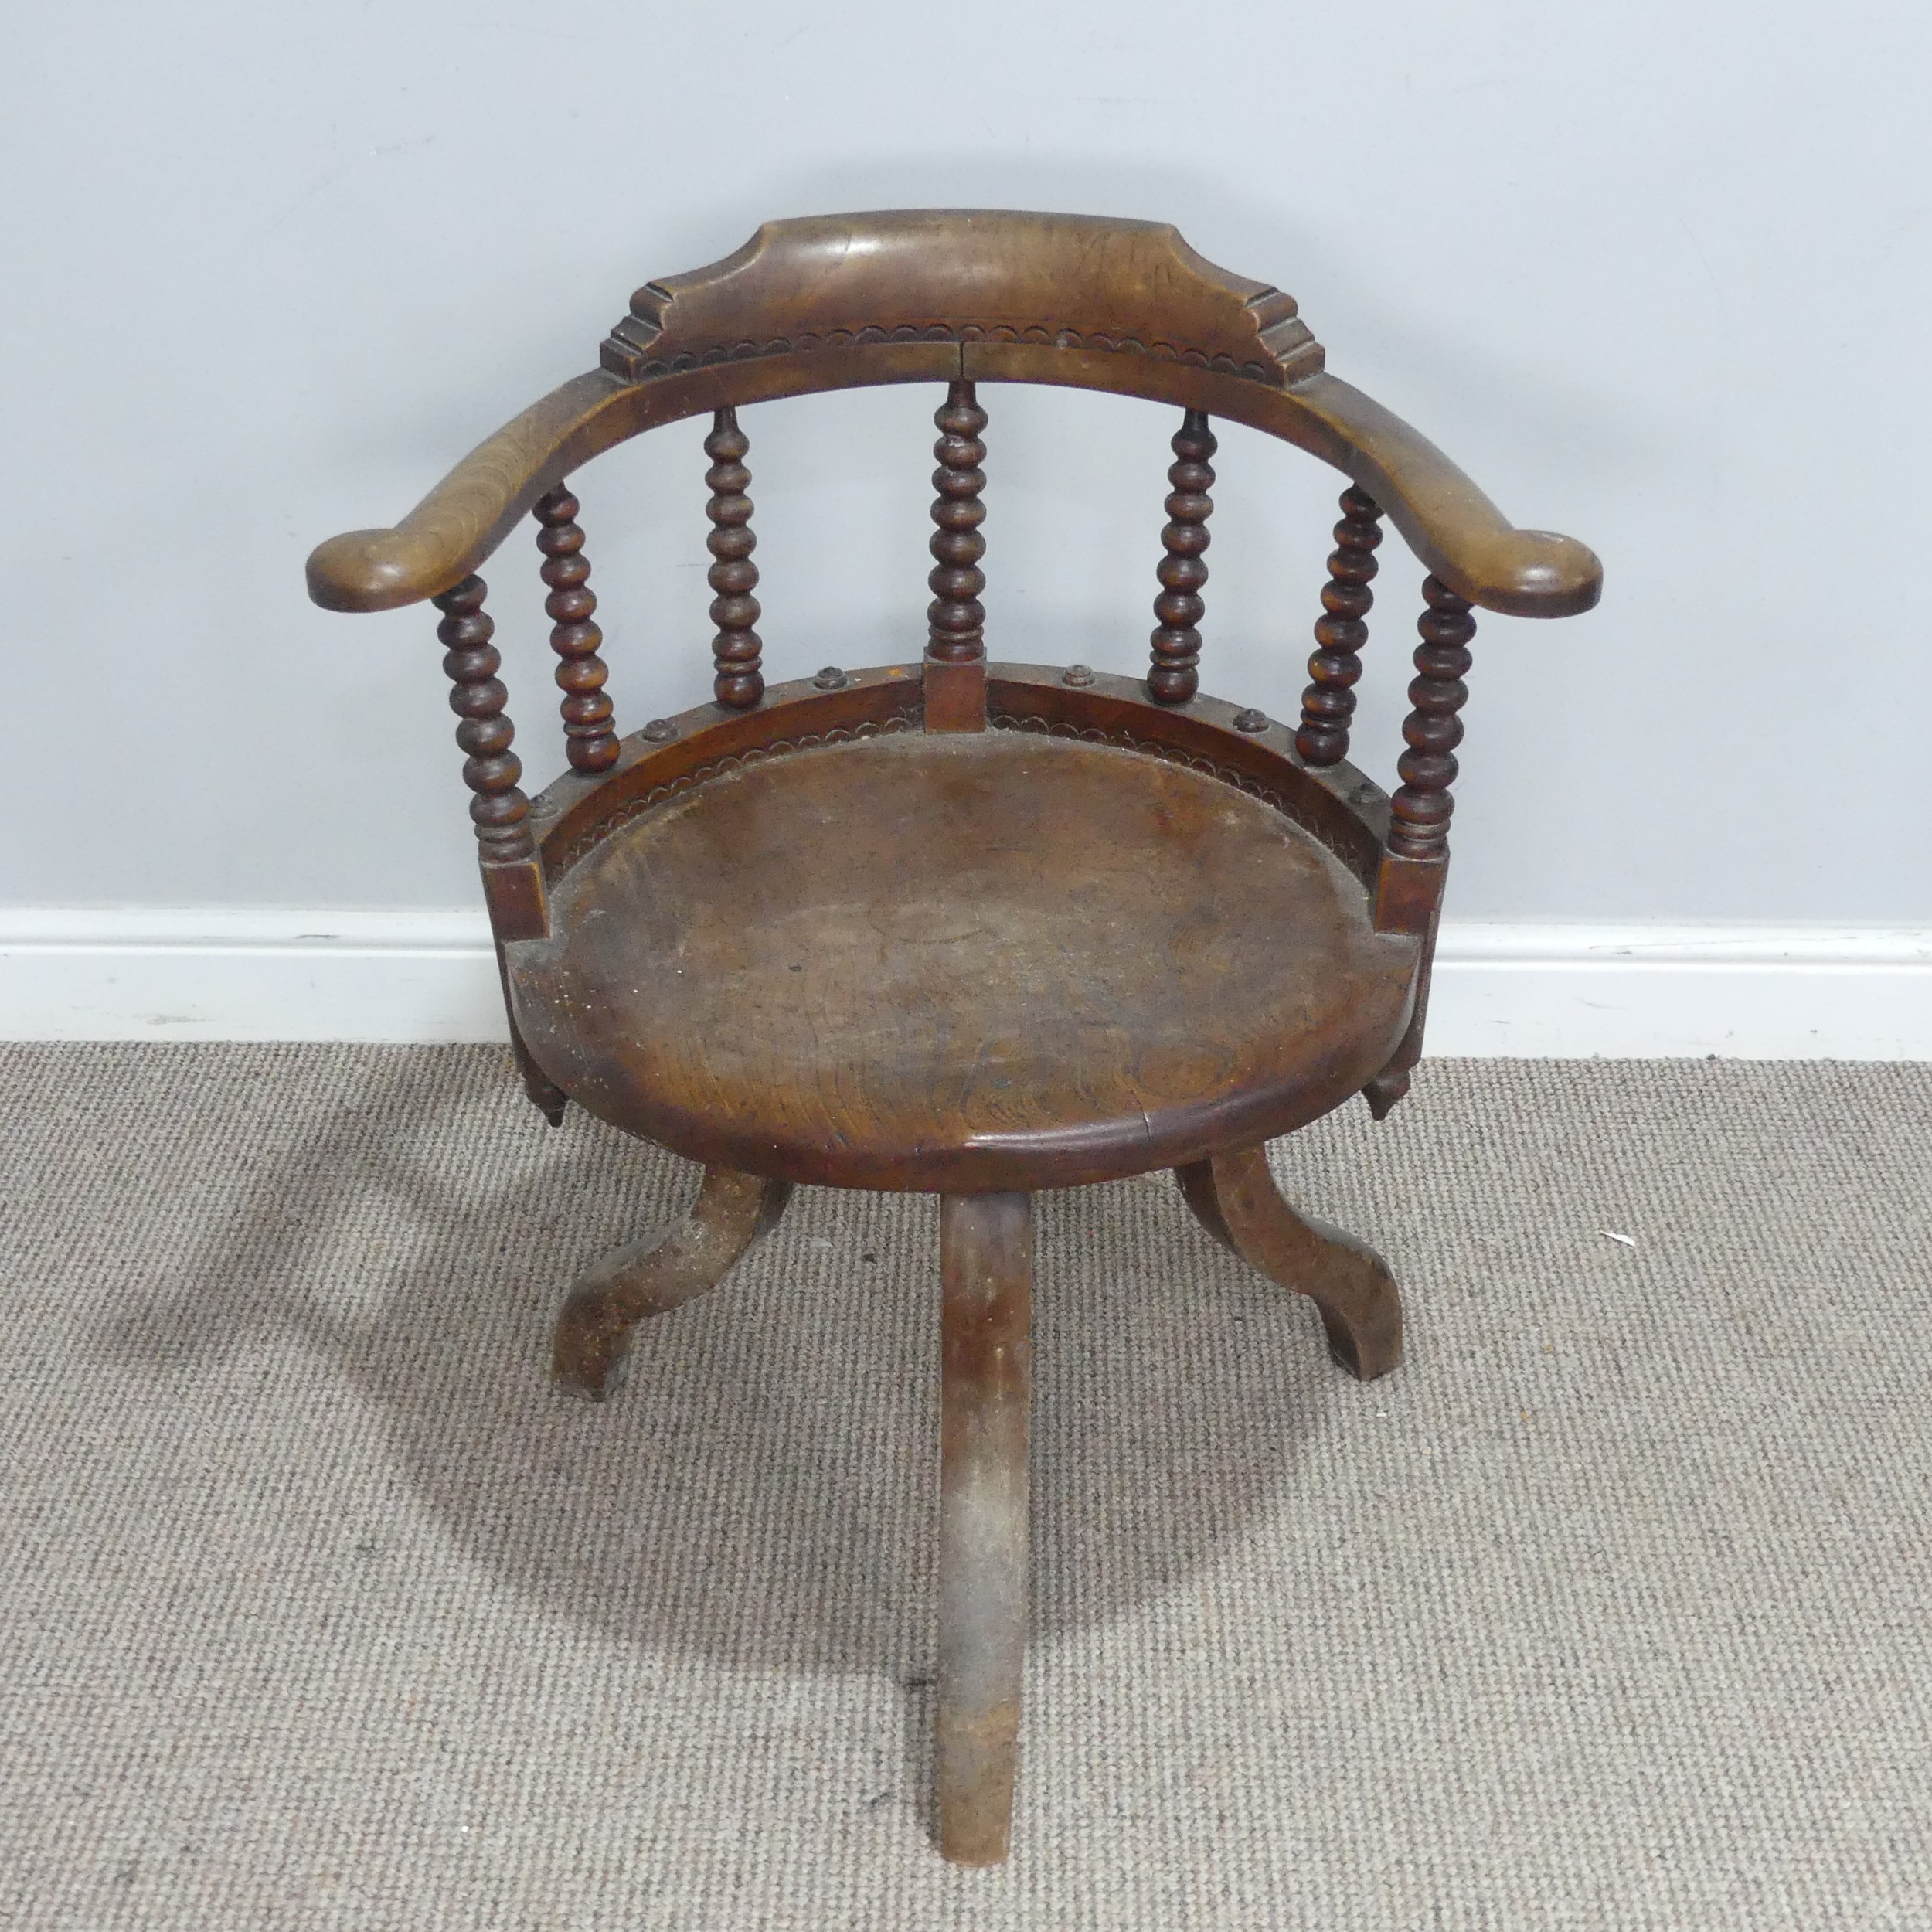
x: 910, y: 960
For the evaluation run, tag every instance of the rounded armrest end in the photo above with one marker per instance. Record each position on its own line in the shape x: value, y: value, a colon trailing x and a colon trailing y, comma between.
x: 1545, y: 576
x: 375, y: 570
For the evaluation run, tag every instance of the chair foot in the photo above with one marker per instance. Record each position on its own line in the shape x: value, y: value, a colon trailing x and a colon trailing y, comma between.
x: 549, y: 1101
x: 1234, y: 1197
x: 594, y: 1331
x: 543, y: 1093
x: 986, y: 1268
x: 1384, y: 1090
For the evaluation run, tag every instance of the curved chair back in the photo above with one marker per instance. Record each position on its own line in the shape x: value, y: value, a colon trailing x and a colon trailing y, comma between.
x: 963, y: 298
x: 940, y: 295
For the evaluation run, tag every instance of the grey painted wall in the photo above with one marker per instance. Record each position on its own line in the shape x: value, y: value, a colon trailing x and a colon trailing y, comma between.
x: 1655, y: 274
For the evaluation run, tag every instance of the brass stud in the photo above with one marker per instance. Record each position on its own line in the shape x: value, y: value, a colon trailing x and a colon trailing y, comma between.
x: 831, y: 678
x: 1078, y: 675
x: 1250, y: 721
x: 659, y: 730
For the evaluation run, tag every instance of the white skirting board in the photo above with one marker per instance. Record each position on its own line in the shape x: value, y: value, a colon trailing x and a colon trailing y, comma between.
x: 1564, y: 990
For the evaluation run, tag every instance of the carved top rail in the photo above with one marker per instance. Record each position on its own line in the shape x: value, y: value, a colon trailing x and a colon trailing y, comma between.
x: 936, y: 275
x: 837, y: 301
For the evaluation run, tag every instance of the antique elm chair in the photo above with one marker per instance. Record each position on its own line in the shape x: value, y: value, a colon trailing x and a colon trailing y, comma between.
x: 964, y: 927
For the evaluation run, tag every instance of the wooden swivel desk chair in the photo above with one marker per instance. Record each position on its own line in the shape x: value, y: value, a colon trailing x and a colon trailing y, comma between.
x: 969, y: 928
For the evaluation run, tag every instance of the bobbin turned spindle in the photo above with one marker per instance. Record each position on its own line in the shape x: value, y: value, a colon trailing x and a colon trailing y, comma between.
x: 955, y: 669
x: 499, y: 810
x: 1329, y: 703
x: 589, y: 742
x: 737, y: 651
x: 1419, y: 811
x: 1183, y: 571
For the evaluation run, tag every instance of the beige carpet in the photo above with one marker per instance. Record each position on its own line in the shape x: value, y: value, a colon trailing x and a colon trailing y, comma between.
x: 319, y: 1608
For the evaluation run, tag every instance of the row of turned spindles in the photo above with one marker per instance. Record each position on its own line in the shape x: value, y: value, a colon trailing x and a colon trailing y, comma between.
x: 1419, y: 809
x: 1422, y: 804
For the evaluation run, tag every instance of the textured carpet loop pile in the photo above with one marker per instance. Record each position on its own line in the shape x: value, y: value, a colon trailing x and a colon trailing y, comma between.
x: 320, y: 1608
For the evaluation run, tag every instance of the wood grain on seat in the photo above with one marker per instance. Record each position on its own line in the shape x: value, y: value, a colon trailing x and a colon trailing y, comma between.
x: 940, y: 960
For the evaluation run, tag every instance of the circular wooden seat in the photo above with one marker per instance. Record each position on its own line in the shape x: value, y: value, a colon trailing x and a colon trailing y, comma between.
x: 960, y: 962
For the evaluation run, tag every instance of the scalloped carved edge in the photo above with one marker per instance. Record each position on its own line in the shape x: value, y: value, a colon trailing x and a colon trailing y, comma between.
x: 587, y: 842
x: 1125, y: 740
x: 1129, y: 288
x: 623, y: 355
x: 910, y: 720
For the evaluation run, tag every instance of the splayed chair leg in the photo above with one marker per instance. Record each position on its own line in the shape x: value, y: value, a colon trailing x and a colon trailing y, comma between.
x: 1234, y: 1197
x: 594, y: 1331
x: 986, y: 1266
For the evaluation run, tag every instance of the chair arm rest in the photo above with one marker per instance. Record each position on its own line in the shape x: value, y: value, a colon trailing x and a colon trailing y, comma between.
x: 1451, y: 525
x: 464, y: 519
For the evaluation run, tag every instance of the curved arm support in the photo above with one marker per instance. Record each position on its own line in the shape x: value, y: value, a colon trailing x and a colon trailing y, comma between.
x: 464, y: 518
x: 451, y: 532
x: 1450, y: 524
